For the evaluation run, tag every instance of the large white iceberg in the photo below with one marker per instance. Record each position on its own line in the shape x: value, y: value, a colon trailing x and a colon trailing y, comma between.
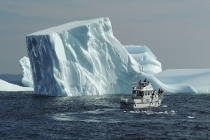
x: 84, y: 58
x: 80, y: 58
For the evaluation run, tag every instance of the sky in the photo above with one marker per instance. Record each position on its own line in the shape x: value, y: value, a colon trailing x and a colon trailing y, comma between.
x: 177, y: 32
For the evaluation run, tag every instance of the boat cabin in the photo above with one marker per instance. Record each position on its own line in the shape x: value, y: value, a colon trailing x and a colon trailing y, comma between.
x: 142, y: 89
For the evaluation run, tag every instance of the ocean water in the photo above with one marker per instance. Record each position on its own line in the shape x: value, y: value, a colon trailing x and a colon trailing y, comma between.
x: 24, y: 115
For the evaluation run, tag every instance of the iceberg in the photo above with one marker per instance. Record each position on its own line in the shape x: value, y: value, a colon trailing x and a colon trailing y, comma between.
x: 80, y: 58
x: 84, y: 58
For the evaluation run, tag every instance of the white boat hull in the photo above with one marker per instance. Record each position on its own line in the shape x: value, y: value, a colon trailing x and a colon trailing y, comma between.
x: 139, y: 103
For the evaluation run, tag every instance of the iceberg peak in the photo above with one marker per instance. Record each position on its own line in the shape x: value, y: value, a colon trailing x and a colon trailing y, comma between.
x: 75, y: 24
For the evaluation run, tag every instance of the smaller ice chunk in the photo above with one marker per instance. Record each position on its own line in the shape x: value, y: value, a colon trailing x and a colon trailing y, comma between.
x: 5, y: 86
x: 197, y: 78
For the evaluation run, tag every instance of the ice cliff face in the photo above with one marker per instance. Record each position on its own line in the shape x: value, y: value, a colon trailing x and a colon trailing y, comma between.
x: 80, y: 58
x: 142, y: 54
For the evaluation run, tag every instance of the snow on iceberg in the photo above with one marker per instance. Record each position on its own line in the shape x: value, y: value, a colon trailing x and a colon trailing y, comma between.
x: 27, y: 79
x: 80, y: 58
x: 145, y: 58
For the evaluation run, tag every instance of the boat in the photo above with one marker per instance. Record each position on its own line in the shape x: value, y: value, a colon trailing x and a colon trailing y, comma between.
x: 143, y: 96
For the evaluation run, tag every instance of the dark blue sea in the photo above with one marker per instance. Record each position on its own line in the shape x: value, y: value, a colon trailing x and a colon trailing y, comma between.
x: 24, y: 115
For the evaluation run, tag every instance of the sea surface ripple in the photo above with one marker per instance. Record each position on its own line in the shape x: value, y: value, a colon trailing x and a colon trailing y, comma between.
x: 28, y: 116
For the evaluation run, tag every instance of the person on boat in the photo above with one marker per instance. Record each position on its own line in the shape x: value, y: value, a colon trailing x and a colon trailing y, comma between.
x: 144, y: 83
x: 140, y: 82
x: 153, y: 93
x: 133, y: 89
x: 133, y: 93
x: 141, y: 95
x: 145, y: 80
x: 160, y: 91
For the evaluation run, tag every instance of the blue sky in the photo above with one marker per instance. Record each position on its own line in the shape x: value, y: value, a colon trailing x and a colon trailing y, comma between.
x: 177, y: 32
